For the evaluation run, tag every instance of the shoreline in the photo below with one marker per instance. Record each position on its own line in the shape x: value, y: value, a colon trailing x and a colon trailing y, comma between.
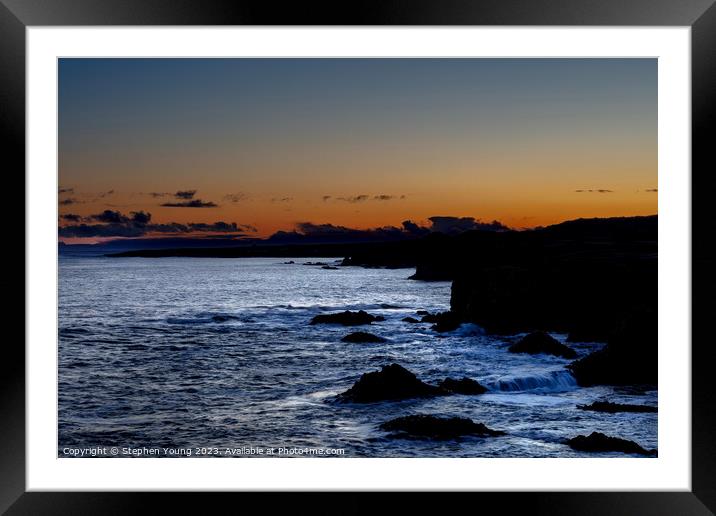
x: 594, y: 279
x: 498, y: 288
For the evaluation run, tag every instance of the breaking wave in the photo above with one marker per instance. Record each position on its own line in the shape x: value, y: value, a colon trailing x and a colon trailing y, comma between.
x: 553, y: 381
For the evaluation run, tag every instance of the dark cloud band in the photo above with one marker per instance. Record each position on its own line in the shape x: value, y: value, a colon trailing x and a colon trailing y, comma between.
x: 194, y: 203
x: 185, y: 194
x: 600, y: 190
x: 138, y: 223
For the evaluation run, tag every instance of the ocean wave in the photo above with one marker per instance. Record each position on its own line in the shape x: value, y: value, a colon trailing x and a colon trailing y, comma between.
x: 552, y: 381
x: 469, y: 330
x: 260, y: 373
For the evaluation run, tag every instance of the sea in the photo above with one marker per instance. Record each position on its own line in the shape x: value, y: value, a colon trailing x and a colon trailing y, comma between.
x: 214, y: 357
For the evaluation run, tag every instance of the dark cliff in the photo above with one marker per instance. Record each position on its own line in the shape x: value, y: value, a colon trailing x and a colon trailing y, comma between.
x: 593, y: 279
x: 581, y: 277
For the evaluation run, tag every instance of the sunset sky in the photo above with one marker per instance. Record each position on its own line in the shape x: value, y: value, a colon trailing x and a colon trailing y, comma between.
x: 362, y: 143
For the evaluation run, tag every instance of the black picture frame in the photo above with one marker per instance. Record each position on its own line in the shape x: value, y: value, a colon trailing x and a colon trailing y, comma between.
x: 700, y: 15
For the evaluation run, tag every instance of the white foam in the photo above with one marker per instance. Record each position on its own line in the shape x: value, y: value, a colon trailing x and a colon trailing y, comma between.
x: 552, y: 381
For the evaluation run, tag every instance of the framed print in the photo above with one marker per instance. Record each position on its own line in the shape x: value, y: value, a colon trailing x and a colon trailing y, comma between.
x: 431, y: 249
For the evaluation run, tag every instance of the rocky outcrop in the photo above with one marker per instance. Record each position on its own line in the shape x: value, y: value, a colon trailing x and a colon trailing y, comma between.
x: 443, y: 321
x: 347, y: 318
x: 360, y: 337
x: 411, y: 320
x: 630, y: 356
x: 462, y: 386
x: 541, y: 342
x: 595, y: 280
x: 613, y: 408
x: 392, y: 382
x: 579, y: 277
x: 577, y: 334
x: 423, y: 426
x: 430, y: 272
x: 390, y: 255
x: 598, y: 442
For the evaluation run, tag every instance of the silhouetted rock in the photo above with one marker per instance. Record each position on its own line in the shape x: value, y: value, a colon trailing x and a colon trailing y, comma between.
x: 541, y: 342
x: 347, y: 318
x: 462, y: 386
x: 361, y: 336
x: 598, y: 442
x: 392, y: 382
x: 580, y: 277
x: 432, y: 427
x: 612, y: 408
x: 577, y: 334
x: 389, y: 255
x: 429, y: 272
x: 444, y: 321
x: 628, y: 358
x: 594, y: 279
x: 410, y: 320
x: 329, y: 268
x: 422, y: 312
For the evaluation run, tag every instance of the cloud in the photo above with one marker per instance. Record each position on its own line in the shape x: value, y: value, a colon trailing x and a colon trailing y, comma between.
x: 138, y: 223
x: 248, y: 227
x: 652, y: 190
x: 235, y: 197
x: 326, y: 233
x: 601, y: 190
x: 452, y: 225
x: 158, y: 194
x: 140, y: 217
x: 68, y: 201
x: 216, y: 227
x: 195, y: 203
x: 109, y: 216
x: 282, y: 199
x: 364, y: 197
x: 106, y: 194
x: 224, y: 227
x: 66, y: 191
x: 438, y: 224
x: 101, y: 230
x: 414, y: 229
x: 185, y: 194
x: 309, y: 228
x: 354, y: 199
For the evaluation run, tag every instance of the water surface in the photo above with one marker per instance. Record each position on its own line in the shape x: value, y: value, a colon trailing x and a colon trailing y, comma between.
x: 191, y: 352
